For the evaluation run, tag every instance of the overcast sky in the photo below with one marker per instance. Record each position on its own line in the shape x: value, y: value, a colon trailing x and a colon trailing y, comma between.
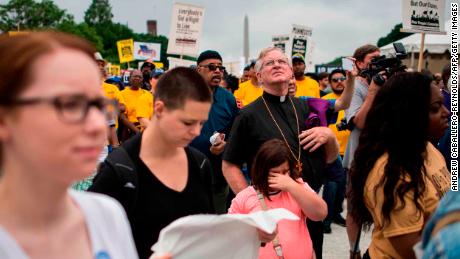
x: 339, y: 26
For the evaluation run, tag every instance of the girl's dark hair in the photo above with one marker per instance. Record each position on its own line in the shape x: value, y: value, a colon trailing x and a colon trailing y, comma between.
x: 271, y: 154
x: 181, y: 84
x: 397, y: 124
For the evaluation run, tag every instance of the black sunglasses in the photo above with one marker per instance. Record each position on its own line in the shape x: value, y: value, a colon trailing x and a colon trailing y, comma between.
x: 213, y: 67
x: 336, y: 80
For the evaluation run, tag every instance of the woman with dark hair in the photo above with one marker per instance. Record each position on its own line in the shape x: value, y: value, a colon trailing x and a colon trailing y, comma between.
x: 277, y: 182
x: 167, y: 179
x: 398, y: 176
x: 52, y: 130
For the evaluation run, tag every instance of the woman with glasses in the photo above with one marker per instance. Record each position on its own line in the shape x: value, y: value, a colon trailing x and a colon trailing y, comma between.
x: 398, y: 176
x: 52, y: 129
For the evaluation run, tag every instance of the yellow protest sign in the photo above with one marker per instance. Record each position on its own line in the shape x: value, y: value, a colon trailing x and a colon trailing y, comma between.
x: 114, y: 70
x: 125, y: 50
x: 158, y: 64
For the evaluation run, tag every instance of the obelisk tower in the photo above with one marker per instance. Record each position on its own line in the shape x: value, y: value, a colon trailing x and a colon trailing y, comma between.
x: 246, y: 39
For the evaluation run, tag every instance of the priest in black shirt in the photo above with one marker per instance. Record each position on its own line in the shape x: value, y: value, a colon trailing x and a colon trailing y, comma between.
x: 277, y: 115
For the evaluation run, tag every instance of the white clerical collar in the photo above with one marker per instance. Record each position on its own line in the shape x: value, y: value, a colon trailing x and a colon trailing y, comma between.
x: 282, y: 99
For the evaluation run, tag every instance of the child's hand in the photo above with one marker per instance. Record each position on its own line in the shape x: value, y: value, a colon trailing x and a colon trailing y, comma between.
x: 281, y: 182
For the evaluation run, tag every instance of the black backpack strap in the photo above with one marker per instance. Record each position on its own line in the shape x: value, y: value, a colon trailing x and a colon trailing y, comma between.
x: 125, y: 170
x: 206, y: 174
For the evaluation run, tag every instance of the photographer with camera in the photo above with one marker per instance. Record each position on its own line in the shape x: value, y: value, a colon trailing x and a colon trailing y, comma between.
x: 361, y: 102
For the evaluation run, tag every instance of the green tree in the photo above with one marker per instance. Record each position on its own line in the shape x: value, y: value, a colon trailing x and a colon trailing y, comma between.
x: 110, y: 34
x: 98, y: 13
x: 29, y: 15
x: 83, y: 30
x: 393, y: 36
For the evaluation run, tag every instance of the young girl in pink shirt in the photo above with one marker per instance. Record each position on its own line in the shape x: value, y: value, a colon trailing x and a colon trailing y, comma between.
x: 277, y: 181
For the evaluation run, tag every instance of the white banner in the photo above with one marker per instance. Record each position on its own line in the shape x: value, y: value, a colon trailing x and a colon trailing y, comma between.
x: 423, y: 16
x: 177, y: 62
x: 146, y: 50
x: 186, y: 29
x: 282, y: 42
x: 300, y: 36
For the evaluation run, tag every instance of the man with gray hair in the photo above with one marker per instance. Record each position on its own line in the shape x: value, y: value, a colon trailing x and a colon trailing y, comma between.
x: 277, y: 115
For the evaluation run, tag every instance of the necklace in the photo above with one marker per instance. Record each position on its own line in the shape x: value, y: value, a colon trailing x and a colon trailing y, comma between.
x: 297, y: 158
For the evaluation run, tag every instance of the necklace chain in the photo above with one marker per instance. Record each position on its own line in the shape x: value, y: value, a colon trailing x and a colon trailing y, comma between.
x: 299, y: 164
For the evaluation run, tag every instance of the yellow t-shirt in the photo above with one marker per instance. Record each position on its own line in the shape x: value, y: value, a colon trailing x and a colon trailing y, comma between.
x: 111, y: 92
x: 132, y: 99
x: 144, y: 108
x: 406, y: 220
x: 248, y: 92
x: 342, y: 136
x: 307, y: 87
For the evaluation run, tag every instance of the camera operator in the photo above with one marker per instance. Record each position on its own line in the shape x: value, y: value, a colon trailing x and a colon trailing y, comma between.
x: 361, y: 102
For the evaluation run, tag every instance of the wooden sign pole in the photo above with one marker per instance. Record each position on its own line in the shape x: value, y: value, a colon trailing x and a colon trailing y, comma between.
x: 420, y: 53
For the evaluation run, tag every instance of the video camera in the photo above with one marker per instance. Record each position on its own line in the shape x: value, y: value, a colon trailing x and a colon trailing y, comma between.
x: 343, y: 125
x: 388, y: 65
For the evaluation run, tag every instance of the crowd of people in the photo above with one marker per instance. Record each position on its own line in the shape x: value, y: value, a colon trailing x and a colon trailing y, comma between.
x: 201, y: 141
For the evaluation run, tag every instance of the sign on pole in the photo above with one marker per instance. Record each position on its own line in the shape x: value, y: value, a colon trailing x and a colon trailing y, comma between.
x: 177, y: 62
x: 299, y: 39
x: 146, y: 50
x: 186, y: 29
x: 423, y: 16
x: 281, y: 41
x: 114, y: 70
x: 125, y: 50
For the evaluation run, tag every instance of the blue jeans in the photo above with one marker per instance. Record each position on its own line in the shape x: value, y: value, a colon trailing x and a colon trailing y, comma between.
x: 334, y: 190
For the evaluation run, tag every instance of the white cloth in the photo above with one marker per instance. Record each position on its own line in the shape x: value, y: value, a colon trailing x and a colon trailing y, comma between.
x: 108, y: 227
x: 231, y: 236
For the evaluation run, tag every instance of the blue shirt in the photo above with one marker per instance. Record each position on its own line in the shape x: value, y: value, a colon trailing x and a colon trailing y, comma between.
x: 221, y: 116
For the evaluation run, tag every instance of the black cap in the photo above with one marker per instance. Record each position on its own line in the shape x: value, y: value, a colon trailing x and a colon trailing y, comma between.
x: 208, y: 54
x: 148, y: 63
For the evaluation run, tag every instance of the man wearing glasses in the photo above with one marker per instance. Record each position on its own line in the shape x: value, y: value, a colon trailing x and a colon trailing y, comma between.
x: 277, y: 115
x: 223, y: 112
x: 334, y: 186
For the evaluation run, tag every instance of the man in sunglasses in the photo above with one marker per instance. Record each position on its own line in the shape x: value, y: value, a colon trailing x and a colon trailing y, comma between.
x: 334, y: 186
x: 223, y: 112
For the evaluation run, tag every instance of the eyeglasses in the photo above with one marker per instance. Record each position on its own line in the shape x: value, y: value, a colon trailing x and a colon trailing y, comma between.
x: 340, y: 79
x: 72, y: 108
x: 213, y: 67
x: 271, y: 62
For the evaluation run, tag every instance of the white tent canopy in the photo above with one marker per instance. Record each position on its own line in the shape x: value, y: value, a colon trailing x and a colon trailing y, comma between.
x: 434, y: 43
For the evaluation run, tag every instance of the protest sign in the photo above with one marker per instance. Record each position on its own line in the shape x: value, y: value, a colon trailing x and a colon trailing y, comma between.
x: 177, y: 62
x: 186, y: 29
x: 125, y: 50
x: 423, y: 16
x: 299, y: 40
x: 282, y: 42
x: 146, y: 50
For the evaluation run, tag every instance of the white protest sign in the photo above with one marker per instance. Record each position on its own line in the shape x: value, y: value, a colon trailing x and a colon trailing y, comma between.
x: 177, y: 62
x: 186, y: 29
x: 146, y: 50
x: 423, y: 16
x: 282, y: 42
x: 299, y: 39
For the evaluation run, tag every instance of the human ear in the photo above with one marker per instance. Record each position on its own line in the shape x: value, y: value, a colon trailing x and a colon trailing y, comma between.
x: 159, y: 108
